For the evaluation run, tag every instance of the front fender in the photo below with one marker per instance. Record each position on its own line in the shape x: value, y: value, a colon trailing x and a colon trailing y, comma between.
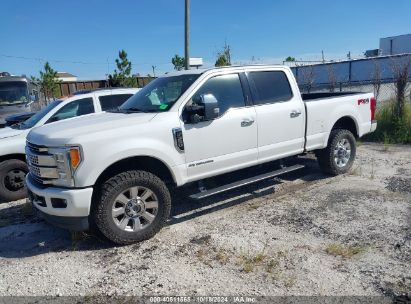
x: 100, y: 159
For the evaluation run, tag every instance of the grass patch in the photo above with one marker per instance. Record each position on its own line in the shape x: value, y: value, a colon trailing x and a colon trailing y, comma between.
x: 201, y: 253
x: 253, y: 206
x: 391, y: 129
x: 344, y: 251
x: 290, y: 282
x: 248, y: 263
x: 271, y: 265
x: 222, y: 257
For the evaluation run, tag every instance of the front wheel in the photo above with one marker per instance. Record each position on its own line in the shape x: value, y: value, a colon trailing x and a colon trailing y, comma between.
x: 133, y: 207
x: 338, y: 157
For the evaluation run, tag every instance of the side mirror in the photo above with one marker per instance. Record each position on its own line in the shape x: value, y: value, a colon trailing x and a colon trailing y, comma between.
x: 205, y: 109
x: 211, y: 109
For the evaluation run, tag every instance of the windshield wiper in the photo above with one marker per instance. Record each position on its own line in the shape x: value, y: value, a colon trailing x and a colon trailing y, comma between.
x: 136, y: 110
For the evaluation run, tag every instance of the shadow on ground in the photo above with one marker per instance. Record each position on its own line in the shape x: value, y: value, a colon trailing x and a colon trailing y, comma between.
x: 32, y: 236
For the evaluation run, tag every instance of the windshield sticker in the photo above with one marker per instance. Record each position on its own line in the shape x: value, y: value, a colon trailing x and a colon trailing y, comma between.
x: 163, y: 106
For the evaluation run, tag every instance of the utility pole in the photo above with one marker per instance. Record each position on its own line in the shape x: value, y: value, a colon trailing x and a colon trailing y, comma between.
x: 187, y: 34
x: 322, y: 53
x: 154, y: 70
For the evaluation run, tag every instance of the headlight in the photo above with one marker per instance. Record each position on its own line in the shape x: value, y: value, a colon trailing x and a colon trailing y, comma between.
x: 68, y: 159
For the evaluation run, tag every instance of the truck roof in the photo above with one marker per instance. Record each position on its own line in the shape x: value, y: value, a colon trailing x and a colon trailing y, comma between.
x: 13, y: 78
x: 201, y: 71
x: 86, y: 91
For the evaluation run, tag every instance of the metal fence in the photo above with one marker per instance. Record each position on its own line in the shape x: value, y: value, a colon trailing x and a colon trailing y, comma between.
x: 378, y: 75
x: 385, y: 90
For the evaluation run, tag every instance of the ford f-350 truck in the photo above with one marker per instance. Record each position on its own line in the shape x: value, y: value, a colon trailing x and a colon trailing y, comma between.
x: 114, y: 171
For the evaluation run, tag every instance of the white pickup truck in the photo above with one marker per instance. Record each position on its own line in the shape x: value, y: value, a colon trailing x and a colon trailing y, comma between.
x: 115, y: 171
x: 13, y: 168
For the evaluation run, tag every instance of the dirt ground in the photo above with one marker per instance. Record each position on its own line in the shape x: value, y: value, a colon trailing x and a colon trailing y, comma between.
x: 301, y: 234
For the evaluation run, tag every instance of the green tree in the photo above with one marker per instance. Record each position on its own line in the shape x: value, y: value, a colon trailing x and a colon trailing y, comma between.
x: 224, y: 57
x: 290, y: 59
x: 122, y: 75
x: 49, y: 84
x: 178, y: 62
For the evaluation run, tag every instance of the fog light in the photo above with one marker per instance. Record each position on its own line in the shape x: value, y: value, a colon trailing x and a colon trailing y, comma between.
x: 58, y: 203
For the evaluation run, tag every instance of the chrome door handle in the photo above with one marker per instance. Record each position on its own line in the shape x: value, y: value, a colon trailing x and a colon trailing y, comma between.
x: 295, y: 113
x: 247, y: 122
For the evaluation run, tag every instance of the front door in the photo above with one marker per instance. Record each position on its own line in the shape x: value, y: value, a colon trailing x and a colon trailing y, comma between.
x: 227, y: 142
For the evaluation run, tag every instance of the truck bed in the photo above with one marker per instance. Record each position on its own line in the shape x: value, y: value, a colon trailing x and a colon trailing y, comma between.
x: 324, y: 109
x: 307, y: 97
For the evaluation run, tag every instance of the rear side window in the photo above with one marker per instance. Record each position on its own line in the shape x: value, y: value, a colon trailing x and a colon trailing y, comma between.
x: 270, y: 87
x: 112, y: 102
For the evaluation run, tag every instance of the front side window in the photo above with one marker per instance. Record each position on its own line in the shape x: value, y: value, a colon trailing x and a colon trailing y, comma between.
x: 112, y: 102
x: 160, y: 94
x: 270, y: 87
x: 226, y: 89
x: 73, y: 109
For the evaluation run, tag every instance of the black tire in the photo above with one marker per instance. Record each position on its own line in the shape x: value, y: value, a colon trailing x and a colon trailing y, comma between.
x: 102, y: 214
x: 326, y: 158
x: 12, y: 180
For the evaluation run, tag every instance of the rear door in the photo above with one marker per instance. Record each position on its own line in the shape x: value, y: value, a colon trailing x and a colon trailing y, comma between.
x: 280, y: 114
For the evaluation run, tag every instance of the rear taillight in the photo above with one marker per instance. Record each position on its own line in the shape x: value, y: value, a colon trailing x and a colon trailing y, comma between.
x: 373, y: 105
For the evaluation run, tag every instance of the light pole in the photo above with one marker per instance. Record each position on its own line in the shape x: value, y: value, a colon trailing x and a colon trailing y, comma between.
x: 187, y: 34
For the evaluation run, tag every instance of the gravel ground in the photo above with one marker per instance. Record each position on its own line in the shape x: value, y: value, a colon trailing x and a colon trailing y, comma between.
x: 301, y: 234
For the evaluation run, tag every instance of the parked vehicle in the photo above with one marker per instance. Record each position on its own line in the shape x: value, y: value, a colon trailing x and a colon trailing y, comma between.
x: 13, y: 167
x: 114, y: 171
x: 18, y: 118
x: 17, y: 95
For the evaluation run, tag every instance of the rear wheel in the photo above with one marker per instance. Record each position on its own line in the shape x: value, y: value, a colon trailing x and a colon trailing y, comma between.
x: 134, y: 206
x: 338, y: 157
x: 12, y: 180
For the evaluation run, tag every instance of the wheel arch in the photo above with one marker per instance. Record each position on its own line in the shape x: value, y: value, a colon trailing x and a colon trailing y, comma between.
x: 146, y: 163
x: 19, y: 156
x: 347, y: 123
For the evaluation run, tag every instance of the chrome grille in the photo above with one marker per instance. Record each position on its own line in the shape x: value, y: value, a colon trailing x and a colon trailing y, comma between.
x: 33, y: 159
x: 36, y: 148
x: 42, y: 165
x: 35, y: 170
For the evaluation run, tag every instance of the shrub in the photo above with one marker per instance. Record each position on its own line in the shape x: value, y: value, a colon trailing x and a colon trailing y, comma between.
x: 392, y: 129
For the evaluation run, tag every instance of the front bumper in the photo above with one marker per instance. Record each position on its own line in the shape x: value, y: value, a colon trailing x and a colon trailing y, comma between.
x: 63, y: 207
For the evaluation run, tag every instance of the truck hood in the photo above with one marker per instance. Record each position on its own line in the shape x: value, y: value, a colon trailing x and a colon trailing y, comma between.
x: 9, y: 132
x: 68, y: 131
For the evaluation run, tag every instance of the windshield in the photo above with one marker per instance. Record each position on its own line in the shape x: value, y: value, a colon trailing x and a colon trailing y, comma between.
x: 32, y: 121
x: 13, y: 92
x: 159, y: 95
